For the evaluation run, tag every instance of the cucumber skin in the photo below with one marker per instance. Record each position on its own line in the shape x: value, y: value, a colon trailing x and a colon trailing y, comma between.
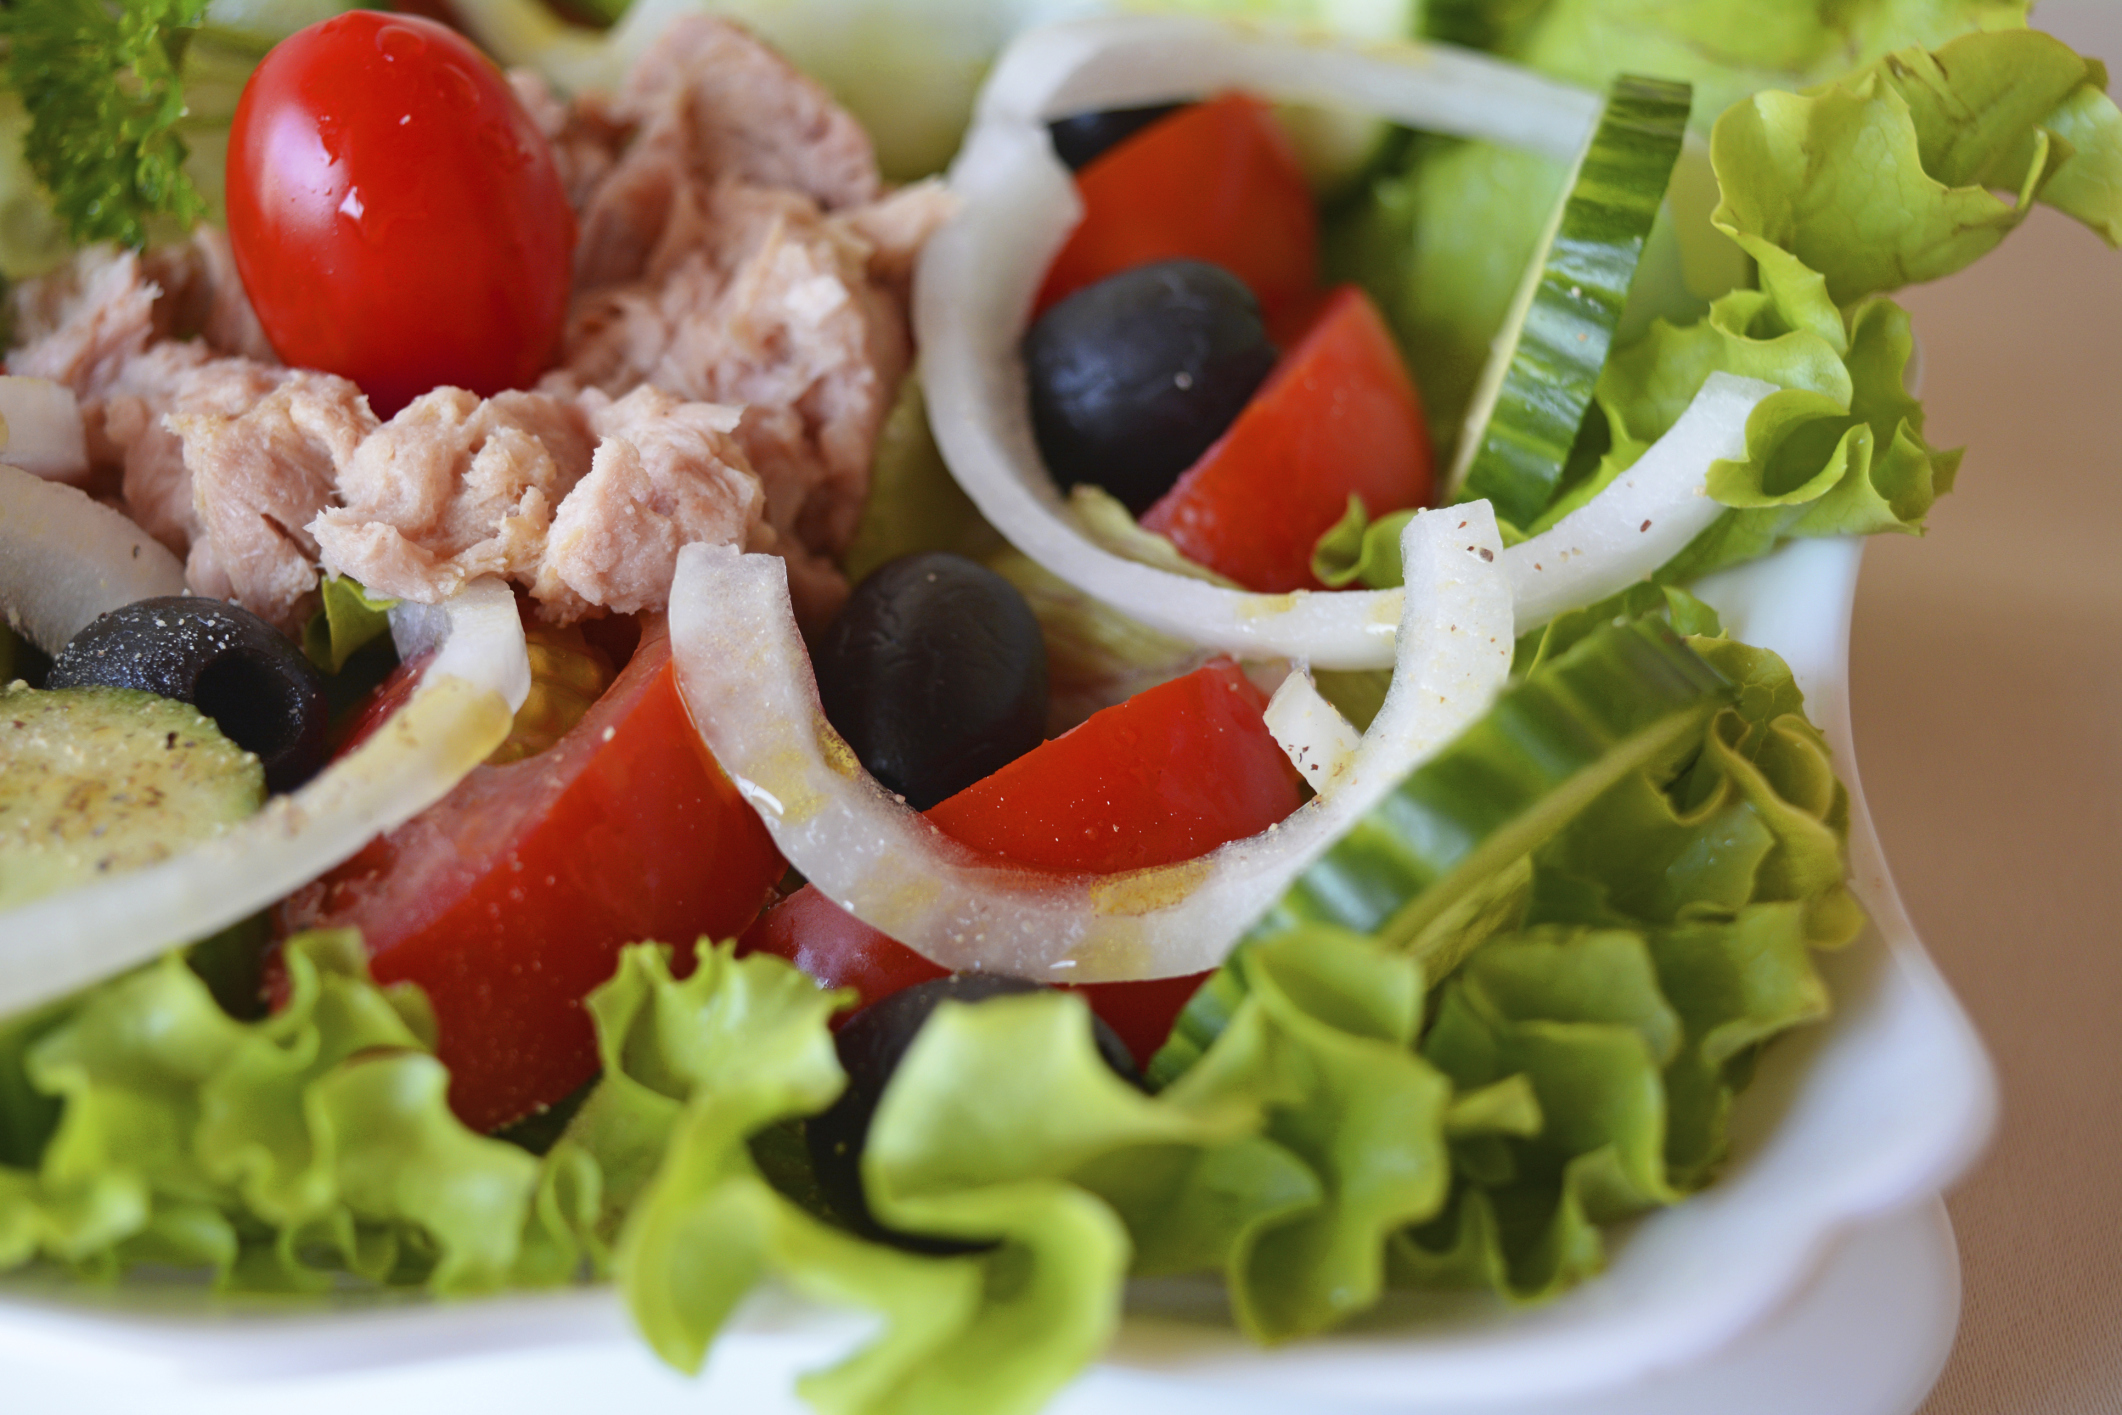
x: 1549, y: 746
x: 1562, y: 345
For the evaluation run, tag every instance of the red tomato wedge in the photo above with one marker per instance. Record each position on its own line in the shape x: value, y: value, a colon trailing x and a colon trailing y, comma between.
x: 1339, y: 416
x: 1167, y: 775
x: 508, y: 901
x: 1218, y: 181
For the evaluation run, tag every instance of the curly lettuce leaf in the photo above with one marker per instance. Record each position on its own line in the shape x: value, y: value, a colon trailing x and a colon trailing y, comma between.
x: 1729, y: 49
x: 1285, y: 1161
x: 1839, y: 451
x: 1324, y: 1043
x: 1689, y: 617
x: 1889, y: 177
x: 268, y: 1152
x: 1443, y: 240
x: 1669, y: 933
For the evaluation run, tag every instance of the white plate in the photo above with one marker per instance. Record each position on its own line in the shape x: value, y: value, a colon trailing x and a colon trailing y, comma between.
x: 1867, y: 1336
x: 1845, y: 1124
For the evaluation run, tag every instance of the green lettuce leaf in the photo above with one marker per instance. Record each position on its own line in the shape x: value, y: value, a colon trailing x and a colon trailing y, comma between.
x: 1669, y: 934
x: 1688, y: 616
x: 1889, y: 176
x: 268, y: 1152
x: 1839, y: 194
x: 1323, y: 1042
x: 1729, y: 49
x: 349, y: 619
x: 1442, y: 246
x: 1840, y: 451
x: 1285, y: 1161
x: 1442, y: 239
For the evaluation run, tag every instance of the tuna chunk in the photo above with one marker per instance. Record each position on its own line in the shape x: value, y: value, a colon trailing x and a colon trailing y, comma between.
x: 137, y: 336
x: 707, y: 103
x: 737, y: 336
x: 182, y: 379
x: 771, y: 305
x: 203, y: 298
x: 81, y: 324
x: 258, y: 479
x: 452, y: 488
x: 896, y: 227
x: 665, y: 474
x: 586, y: 135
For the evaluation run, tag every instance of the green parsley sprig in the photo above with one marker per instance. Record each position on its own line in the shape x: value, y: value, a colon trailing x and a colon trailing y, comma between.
x: 102, y: 85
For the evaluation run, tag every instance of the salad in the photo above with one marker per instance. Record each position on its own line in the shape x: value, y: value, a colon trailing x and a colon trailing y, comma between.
x: 1491, y: 977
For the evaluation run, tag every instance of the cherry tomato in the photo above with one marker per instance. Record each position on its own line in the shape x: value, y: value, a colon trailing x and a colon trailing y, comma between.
x: 1338, y: 416
x: 395, y: 214
x: 1167, y: 775
x: 1217, y: 181
x: 509, y: 900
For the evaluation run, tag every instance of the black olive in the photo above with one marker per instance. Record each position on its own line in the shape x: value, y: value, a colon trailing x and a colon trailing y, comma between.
x: 935, y: 673
x: 1132, y: 378
x: 871, y: 1045
x: 224, y: 661
x: 1084, y: 136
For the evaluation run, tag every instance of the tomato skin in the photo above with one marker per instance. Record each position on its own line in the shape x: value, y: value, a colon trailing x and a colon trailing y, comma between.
x: 836, y: 948
x: 1167, y: 775
x: 1338, y: 416
x: 509, y: 900
x: 1218, y: 181
x: 395, y: 214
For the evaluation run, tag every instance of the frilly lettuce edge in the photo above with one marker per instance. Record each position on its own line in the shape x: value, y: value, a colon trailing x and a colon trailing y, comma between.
x: 1355, y: 1125
x: 1903, y: 171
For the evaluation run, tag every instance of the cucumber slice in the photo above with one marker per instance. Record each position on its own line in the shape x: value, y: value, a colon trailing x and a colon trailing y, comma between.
x: 96, y: 781
x: 1551, y: 744
x: 1546, y: 361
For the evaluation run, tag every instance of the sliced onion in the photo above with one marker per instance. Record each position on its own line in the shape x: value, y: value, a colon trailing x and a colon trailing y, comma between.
x: 460, y: 713
x: 1645, y: 518
x: 1319, y: 742
x: 477, y: 635
x: 40, y: 429
x: 66, y: 558
x: 979, y: 275
x: 747, y: 681
x: 1134, y: 60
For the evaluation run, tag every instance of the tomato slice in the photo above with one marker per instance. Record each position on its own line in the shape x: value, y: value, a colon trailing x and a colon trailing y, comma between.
x: 1167, y: 775
x: 1218, y: 181
x: 508, y: 901
x: 1338, y: 416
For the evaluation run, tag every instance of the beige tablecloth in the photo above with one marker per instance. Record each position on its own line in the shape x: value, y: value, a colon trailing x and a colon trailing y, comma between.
x: 1987, y: 689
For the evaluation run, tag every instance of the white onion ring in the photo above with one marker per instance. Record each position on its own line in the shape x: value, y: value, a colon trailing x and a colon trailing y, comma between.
x: 1319, y: 742
x: 40, y: 427
x: 66, y: 558
x: 457, y: 716
x: 980, y: 273
x: 1644, y: 518
x: 747, y: 682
